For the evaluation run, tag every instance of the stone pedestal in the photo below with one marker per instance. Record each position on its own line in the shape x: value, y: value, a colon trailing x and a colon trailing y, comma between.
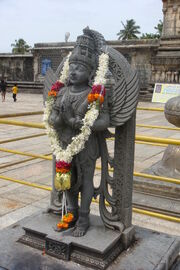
x: 97, y: 249
x: 150, y: 251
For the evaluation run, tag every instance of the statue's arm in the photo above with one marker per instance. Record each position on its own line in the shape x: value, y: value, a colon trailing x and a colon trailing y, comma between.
x: 55, y: 118
x: 103, y: 120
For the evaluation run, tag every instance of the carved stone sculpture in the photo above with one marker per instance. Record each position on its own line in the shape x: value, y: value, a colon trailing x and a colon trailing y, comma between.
x: 117, y: 110
x: 170, y: 164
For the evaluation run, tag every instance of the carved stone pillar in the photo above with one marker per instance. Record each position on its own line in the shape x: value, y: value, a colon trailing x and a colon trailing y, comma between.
x: 172, y: 77
x: 175, y: 19
x: 123, y: 170
x: 158, y: 76
x: 163, y: 76
x: 176, y: 76
x: 153, y: 76
x: 36, y: 67
x: 168, y: 74
x: 164, y: 21
x: 171, y: 20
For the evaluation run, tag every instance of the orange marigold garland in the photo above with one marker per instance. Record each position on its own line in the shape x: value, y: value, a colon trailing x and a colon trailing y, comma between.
x: 97, y: 94
x: 55, y: 89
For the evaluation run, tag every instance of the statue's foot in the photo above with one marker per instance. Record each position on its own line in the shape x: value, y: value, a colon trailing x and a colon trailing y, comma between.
x: 81, y: 227
x: 79, y: 231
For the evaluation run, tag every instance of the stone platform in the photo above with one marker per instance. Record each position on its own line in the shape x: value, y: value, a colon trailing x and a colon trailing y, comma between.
x: 150, y: 251
x: 98, y: 248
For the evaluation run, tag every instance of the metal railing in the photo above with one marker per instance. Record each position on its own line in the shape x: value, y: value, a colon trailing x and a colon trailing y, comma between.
x: 139, y: 139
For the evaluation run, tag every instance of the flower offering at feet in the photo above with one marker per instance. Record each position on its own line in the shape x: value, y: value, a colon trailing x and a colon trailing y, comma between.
x: 68, y: 217
x: 62, y: 225
x: 65, y: 221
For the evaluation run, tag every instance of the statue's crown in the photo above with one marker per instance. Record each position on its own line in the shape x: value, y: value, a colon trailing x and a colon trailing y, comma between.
x: 84, y: 52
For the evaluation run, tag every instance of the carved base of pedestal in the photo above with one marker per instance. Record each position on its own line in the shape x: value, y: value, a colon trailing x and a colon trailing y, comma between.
x: 97, y: 249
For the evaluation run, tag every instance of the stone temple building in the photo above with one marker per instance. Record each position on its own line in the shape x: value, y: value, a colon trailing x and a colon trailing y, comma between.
x: 155, y: 60
x: 166, y: 62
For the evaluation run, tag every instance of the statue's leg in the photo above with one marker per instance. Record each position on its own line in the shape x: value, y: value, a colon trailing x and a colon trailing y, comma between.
x: 87, y: 192
x: 72, y: 196
x: 72, y: 203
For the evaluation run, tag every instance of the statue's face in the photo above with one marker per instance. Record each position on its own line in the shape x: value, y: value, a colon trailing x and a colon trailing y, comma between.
x: 78, y: 74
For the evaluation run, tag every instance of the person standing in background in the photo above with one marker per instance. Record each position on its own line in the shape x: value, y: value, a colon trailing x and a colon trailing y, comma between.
x: 3, y: 86
x: 15, y: 90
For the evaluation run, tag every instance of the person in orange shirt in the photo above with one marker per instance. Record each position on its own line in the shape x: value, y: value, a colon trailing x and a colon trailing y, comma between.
x: 14, y: 90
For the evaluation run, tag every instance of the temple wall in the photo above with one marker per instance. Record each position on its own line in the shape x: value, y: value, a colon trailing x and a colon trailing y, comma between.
x: 138, y: 53
x: 50, y: 53
x: 154, y: 60
x: 33, y: 67
x: 15, y: 67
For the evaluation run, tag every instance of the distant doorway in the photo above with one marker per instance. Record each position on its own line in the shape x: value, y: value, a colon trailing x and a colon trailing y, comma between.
x: 45, y: 64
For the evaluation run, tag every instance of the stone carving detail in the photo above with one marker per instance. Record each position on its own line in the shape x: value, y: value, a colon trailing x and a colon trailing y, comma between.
x: 165, y: 76
x: 33, y: 241
x: 57, y: 249
x: 96, y: 263
x: 122, y: 92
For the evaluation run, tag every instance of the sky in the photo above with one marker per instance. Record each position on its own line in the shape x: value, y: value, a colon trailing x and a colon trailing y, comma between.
x: 39, y: 21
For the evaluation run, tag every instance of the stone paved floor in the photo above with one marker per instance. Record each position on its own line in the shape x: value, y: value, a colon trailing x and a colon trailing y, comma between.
x: 18, y: 201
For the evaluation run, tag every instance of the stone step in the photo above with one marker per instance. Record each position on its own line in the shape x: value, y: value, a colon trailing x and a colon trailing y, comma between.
x: 161, y: 188
x: 153, y: 201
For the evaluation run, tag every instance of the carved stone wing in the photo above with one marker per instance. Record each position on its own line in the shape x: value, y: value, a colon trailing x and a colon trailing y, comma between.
x: 124, y: 93
x: 51, y: 78
x: 116, y: 189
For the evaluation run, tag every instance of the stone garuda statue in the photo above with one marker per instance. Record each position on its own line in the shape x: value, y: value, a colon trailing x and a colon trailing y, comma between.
x: 93, y: 89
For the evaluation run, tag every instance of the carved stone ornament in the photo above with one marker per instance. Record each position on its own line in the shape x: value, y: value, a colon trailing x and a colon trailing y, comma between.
x: 122, y: 88
x: 169, y: 165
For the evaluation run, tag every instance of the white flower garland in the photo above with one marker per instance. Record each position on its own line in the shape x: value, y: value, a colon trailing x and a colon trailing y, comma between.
x: 91, y: 115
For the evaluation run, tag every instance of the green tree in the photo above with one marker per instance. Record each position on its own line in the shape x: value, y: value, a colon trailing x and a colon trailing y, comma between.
x: 149, y: 36
x: 159, y: 28
x: 20, y: 46
x: 130, y: 31
x: 158, y: 33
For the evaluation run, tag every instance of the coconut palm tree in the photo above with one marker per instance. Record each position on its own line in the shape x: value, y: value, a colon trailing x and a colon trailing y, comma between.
x: 149, y: 36
x: 159, y: 28
x: 130, y: 30
x: 157, y: 35
x: 20, y: 46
